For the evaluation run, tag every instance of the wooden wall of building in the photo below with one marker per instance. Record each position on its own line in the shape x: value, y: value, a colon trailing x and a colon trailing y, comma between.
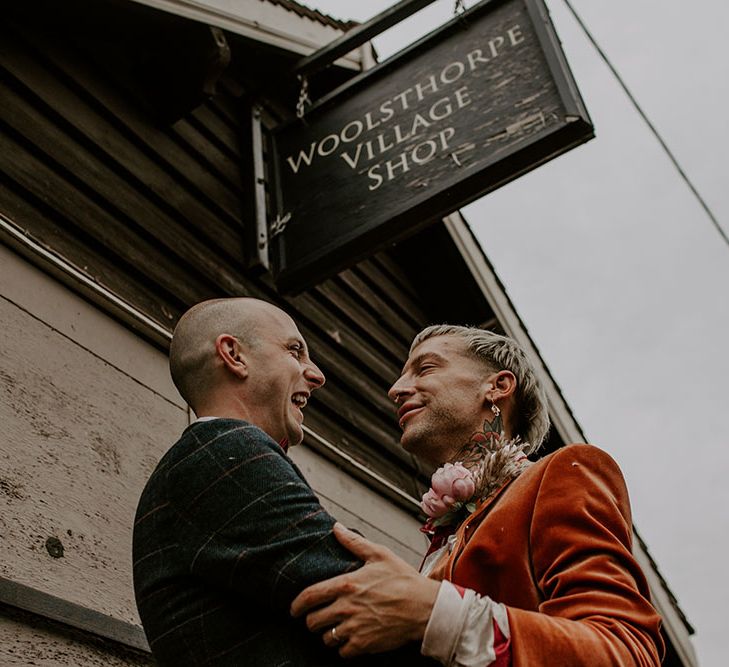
x: 88, y: 408
x: 160, y: 216
x: 27, y: 639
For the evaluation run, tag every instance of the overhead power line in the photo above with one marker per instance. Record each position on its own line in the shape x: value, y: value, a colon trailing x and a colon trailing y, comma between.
x: 648, y: 122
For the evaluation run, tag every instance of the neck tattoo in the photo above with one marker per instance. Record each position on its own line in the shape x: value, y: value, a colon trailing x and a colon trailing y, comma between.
x: 491, y: 458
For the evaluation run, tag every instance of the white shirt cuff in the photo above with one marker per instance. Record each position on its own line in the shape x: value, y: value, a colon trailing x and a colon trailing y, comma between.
x: 460, y: 631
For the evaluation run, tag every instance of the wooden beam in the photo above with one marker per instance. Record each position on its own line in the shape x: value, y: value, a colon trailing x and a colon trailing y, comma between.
x: 74, y: 615
x: 359, y: 35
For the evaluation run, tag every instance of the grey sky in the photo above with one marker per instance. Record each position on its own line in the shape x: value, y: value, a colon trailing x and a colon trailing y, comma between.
x: 621, y: 278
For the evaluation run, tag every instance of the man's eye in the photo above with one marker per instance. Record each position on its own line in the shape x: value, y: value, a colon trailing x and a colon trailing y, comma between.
x: 297, y: 350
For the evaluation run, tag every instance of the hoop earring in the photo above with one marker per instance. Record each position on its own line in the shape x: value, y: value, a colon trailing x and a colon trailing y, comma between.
x: 496, y: 426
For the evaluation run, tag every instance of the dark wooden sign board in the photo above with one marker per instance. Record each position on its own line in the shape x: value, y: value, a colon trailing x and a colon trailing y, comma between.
x: 475, y: 104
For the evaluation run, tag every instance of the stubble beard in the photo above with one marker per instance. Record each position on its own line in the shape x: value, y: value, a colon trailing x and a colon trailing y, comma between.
x: 438, y: 438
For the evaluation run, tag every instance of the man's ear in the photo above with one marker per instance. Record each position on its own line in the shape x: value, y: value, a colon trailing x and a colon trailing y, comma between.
x: 230, y: 352
x: 503, y: 385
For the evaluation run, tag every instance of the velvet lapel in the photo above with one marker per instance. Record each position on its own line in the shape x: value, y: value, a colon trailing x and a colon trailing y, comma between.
x: 467, y: 528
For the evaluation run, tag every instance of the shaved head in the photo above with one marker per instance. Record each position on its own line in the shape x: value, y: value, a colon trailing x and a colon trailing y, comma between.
x: 193, y: 361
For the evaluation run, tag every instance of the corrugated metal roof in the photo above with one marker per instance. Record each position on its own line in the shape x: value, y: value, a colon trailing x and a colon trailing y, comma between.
x: 674, y: 602
x: 313, y: 14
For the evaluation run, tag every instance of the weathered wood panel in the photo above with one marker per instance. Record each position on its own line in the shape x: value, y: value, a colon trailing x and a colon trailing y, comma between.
x: 358, y: 507
x: 80, y: 439
x: 87, y: 416
x: 91, y: 217
x: 158, y: 216
x: 342, y: 335
x: 83, y: 148
x: 28, y: 640
x: 45, y: 299
x: 112, y: 120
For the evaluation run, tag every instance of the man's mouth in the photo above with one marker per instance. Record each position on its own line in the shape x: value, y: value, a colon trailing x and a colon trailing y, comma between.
x: 408, y: 410
x: 300, y: 399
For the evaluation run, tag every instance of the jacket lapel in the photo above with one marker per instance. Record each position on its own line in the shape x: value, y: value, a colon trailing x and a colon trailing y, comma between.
x: 468, y: 527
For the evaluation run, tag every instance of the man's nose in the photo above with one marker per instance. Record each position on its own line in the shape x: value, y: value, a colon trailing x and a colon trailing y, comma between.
x: 398, y: 389
x: 314, y: 376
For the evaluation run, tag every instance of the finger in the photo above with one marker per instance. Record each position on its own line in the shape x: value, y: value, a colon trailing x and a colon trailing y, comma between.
x: 317, y: 595
x: 356, y: 544
x: 350, y: 650
x: 334, y: 641
x: 326, y: 617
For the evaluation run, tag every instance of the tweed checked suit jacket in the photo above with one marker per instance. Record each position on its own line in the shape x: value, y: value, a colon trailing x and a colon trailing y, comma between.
x: 227, y: 533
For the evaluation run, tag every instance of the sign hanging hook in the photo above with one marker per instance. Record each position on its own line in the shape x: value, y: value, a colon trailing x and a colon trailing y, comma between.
x: 459, y: 7
x: 304, y: 99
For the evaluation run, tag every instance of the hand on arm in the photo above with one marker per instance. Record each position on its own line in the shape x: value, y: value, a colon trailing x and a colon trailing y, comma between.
x: 380, y: 607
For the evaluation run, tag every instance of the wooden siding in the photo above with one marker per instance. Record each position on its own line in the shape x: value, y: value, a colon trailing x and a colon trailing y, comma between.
x: 81, y: 436
x: 88, y: 409
x: 26, y: 639
x: 160, y: 216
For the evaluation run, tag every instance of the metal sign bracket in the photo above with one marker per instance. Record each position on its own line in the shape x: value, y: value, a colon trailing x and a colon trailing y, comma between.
x: 259, y: 189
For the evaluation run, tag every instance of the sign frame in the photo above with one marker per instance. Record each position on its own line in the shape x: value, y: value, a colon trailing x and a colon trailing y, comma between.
x: 293, y: 274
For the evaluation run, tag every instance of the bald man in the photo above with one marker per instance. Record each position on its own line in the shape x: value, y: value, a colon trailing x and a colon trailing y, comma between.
x: 227, y: 530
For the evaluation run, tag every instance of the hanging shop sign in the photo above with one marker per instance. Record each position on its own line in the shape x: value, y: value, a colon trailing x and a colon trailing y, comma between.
x: 480, y: 101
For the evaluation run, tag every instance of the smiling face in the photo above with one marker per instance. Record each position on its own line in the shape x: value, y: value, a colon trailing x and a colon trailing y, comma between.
x: 281, y: 377
x: 442, y: 397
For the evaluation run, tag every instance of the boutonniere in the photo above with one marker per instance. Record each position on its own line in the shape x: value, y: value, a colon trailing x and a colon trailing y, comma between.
x: 486, y: 462
x: 450, y: 498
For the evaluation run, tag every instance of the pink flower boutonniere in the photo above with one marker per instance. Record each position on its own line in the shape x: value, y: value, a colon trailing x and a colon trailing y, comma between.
x: 452, y: 487
x: 487, y: 461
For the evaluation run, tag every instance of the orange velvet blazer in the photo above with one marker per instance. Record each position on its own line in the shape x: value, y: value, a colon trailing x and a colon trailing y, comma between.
x: 554, y: 546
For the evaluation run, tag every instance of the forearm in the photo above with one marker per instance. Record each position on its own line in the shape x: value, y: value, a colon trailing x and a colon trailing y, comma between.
x: 593, y: 641
x: 467, y: 629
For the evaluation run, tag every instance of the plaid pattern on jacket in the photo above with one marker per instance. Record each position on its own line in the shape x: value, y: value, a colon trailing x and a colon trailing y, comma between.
x: 227, y: 533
